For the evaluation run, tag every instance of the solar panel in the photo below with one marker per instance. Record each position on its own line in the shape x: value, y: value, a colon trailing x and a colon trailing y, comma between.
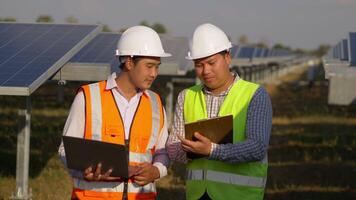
x: 266, y: 53
x: 334, y: 52
x: 32, y: 53
x: 338, y: 50
x: 99, y: 50
x: 178, y: 47
x: 258, y: 53
x: 345, y: 50
x: 234, y: 51
x: 246, y: 52
x: 352, y: 48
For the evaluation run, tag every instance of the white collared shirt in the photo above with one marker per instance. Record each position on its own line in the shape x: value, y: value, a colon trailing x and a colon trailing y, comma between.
x: 75, y: 123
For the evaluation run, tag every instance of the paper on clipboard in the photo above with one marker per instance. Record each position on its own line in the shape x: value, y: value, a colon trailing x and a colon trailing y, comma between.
x: 219, y: 129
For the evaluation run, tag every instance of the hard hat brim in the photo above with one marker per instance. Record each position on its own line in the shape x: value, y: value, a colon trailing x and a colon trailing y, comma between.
x: 161, y: 55
x: 188, y: 57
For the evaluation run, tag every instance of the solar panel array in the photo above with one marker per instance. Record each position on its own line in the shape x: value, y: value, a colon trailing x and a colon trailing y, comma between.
x: 31, y: 53
x: 344, y: 50
x: 102, y: 50
x: 178, y: 47
x: 246, y: 52
x: 251, y: 52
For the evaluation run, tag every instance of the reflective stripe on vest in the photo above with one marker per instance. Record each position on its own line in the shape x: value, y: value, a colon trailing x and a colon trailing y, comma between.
x: 112, y: 186
x: 96, y: 119
x: 155, y: 119
x: 228, y: 178
x: 140, y: 157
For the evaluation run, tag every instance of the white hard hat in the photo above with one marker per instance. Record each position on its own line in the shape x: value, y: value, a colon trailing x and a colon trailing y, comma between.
x: 206, y: 41
x: 140, y: 41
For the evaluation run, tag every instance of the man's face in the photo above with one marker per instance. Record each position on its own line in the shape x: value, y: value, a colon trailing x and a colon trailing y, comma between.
x: 144, y: 72
x: 213, y: 71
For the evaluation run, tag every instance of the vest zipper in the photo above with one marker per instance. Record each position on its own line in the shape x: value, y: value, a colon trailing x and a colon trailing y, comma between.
x: 126, y: 181
x: 127, y: 144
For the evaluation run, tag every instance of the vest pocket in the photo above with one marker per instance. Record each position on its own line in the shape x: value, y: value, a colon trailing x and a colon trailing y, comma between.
x: 113, y: 131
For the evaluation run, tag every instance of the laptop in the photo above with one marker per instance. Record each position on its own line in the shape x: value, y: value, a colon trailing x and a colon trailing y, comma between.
x: 82, y: 153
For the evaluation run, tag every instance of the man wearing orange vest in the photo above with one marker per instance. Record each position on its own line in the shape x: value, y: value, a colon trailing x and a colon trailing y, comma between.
x: 122, y: 110
x: 236, y: 169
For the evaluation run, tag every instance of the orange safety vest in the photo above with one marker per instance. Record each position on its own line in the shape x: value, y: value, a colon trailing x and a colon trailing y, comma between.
x: 103, y: 122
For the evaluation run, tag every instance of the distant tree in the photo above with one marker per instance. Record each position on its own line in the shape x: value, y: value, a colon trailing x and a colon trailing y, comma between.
x: 71, y: 20
x: 281, y: 47
x: 243, y: 39
x: 8, y: 19
x: 106, y: 28
x: 261, y: 45
x: 122, y: 30
x: 45, y: 18
x: 159, y: 28
x: 145, y: 23
x: 300, y: 51
x: 321, y: 50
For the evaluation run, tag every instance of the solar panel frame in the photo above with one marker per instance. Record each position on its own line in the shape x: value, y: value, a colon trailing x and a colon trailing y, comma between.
x: 44, y: 60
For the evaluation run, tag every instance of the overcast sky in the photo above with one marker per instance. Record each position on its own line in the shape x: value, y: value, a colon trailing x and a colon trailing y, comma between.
x: 297, y: 23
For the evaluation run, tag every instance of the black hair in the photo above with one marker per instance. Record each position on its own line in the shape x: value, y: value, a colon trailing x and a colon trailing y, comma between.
x: 224, y: 52
x: 135, y: 60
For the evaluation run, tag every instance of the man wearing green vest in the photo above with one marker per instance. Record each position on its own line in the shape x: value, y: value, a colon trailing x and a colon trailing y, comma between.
x: 236, y: 170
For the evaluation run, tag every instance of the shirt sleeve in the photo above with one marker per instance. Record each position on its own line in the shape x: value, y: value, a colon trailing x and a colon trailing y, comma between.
x: 258, y: 129
x: 160, y: 157
x: 74, y: 127
x: 174, y: 147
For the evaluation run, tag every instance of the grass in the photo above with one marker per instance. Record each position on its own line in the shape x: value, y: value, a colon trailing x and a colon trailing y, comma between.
x: 311, y: 150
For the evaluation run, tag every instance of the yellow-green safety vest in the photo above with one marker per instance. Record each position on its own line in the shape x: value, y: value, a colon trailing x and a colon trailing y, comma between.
x: 222, y: 180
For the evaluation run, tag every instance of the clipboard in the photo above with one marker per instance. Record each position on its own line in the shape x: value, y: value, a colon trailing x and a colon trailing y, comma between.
x: 219, y: 129
x: 82, y: 153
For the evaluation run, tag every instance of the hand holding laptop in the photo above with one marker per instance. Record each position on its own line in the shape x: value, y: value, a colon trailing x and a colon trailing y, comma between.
x: 81, y: 153
x: 146, y: 173
x: 96, y: 174
x: 91, y: 174
x: 141, y: 174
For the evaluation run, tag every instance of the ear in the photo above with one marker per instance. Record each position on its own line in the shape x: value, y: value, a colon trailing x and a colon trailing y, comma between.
x: 228, y: 58
x: 129, y: 64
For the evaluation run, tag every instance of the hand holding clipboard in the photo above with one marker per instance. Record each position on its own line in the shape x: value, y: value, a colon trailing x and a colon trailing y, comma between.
x: 200, y: 134
x: 217, y: 129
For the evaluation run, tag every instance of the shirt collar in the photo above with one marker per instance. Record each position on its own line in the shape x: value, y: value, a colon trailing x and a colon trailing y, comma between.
x: 111, y: 84
x: 225, y: 92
